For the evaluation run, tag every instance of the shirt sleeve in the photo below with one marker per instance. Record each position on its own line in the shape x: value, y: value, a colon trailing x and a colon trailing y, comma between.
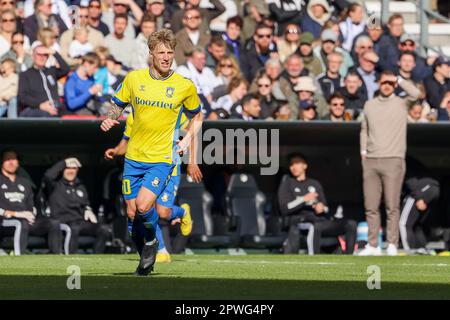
x: 122, y: 97
x: 192, y: 101
x: 128, y: 127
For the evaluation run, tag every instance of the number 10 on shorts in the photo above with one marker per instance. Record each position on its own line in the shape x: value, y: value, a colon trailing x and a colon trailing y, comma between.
x: 126, y: 189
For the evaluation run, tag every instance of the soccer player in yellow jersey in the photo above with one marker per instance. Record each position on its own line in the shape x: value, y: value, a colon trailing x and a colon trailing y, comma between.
x: 158, y: 97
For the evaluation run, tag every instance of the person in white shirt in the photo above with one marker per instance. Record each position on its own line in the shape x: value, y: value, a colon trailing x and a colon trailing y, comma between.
x: 353, y: 25
x: 80, y: 44
x: 141, y: 53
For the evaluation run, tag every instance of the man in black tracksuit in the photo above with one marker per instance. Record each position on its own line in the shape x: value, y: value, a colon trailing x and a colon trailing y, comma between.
x: 302, y: 199
x: 69, y: 203
x: 421, y: 194
x: 17, y: 205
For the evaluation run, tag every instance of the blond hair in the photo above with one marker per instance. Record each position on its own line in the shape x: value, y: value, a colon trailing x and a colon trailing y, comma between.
x: 163, y: 36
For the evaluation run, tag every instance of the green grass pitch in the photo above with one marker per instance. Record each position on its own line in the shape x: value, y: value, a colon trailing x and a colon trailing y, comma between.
x: 226, y: 277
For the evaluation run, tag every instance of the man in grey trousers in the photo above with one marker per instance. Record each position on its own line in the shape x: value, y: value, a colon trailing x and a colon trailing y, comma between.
x: 383, y: 150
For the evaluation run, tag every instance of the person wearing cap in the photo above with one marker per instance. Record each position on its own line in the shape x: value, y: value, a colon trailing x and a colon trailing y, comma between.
x: 95, y: 15
x: 285, y: 13
x: 190, y: 35
x: 17, y: 205
x: 383, y: 151
x: 422, y: 69
x: 128, y: 8
x: 302, y: 199
x: 438, y: 84
x: 307, y: 97
x: 329, y: 43
x: 69, y: 203
x: 305, y: 50
x: 389, y: 42
x: 366, y: 70
x: 207, y: 14
x: 330, y: 81
x: 317, y: 13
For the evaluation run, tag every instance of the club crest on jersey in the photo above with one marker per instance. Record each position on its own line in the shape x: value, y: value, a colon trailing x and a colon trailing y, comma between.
x: 165, y: 197
x: 156, y: 182
x: 142, y: 88
x: 169, y: 92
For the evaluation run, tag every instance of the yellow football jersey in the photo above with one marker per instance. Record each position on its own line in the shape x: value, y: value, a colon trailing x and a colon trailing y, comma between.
x: 157, y: 108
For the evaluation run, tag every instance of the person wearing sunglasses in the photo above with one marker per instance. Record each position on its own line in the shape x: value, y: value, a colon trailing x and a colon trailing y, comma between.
x: 43, y: 17
x: 18, y: 53
x: 226, y: 69
x: 336, y: 109
x: 269, y: 105
x: 383, y: 151
x: 290, y: 42
x: 95, y: 17
x: 7, y: 28
x: 286, y: 13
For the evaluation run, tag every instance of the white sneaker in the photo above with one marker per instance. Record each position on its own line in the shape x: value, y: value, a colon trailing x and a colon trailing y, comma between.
x: 370, y: 251
x: 391, y: 250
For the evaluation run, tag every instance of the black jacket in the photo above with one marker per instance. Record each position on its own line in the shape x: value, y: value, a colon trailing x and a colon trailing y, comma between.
x: 435, y: 91
x: 354, y: 101
x: 31, y: 85
x: 15, y: 196
x: 251, y: 62
x: 31, y: 26
x: 291, y: 188
x: 426, y: 189
x: 67, y: 200
x: 286, y: 12
x: 328, y: 85
x: 389, y: 52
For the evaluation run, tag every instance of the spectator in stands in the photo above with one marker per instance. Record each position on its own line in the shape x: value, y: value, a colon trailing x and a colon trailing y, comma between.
x: 329, y: 44
x: 158, y: 9
x: 69, y: 203
x: 21, y: 57
x: 374, y: 32
x: 102, y: 75
x: 290, y: 42
x: 422, y: 69
x: 269, y: 105
x: 302, y: 199
x: 94, y: 39
x: 305, y: 50
x: 95, y: 15
x: 207, y: 14
x: 308, y: 111
x: 219, y: 24
x: 43, y: 18
x: 80, y: 44
x: 273, y: 69
x: 7, y: 29
x: 17, y: 205
x: 202, y: 76
x: 9, y: 82
x: 141, y: 52
x: 12, y: 5
x: 438, y: 84
x: 336, y: 109
x: 59, y: 7
x: 308, y: 97
x: 258, y: 11
x: 389, y: 43
x: 284, y: 112
x: 285, y: 13
x: 190, y: 36
x: 226, y: 69
x: 237, y: 89
x: 354, y: 93
x: 80, y: 89
x: 353, y: 25
x: 256, y: 56
x: 48, y: 38
x: 217, y: 48
x: 251, y: 108
x: 362, y: 45
x: 422, y: 193
x: 38, y: 87
x: 118, y: 40
x: 383, y: 149
x: 416, y: 114
x: 232, y: 36
x: 317, y: 13
x: 122, y: 8
x: 330, y: 81
x: 366, y: 70
x: 406, y: 64
x: 444, y: 110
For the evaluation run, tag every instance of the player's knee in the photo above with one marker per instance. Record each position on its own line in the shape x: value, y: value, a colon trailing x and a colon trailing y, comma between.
x: 131, y: 213
x: 164, y: 213
x: 143, y: 207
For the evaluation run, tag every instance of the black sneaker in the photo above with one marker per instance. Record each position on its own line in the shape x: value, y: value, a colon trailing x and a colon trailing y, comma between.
x: 148, y: 258
x: 142, y: 272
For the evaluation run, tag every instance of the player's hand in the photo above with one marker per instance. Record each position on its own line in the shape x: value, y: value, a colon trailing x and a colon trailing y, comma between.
x: 175, y: 221
x: 107, y: 124
x: 421, y: 205
x: 90, y: 216
x: 28, y: 215
x: 310, y: 196
x: 48, y: 107
x: 194, y: 172
x: 183, y: 146
x: 110, y: 154
x: 319, y: 208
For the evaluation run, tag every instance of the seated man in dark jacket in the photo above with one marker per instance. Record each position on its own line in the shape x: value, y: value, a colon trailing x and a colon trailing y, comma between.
x: 69, y: 203
x: 302, y: 199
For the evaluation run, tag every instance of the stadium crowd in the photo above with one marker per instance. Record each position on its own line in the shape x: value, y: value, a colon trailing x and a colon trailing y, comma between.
x: 306, y: 60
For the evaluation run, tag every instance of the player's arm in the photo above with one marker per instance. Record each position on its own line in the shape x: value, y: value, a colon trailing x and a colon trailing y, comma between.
x: 120, y: 100
x: 193, y: 169
x: 192, y: 131
x: 118, y: 150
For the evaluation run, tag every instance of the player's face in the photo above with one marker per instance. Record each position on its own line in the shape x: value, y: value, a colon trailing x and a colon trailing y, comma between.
x: 162, y: 58
x: 297, y: 168
x: 10, y: 163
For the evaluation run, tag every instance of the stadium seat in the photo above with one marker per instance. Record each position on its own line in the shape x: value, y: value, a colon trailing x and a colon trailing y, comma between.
x: 204, y: 226
x: 245, y: 203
